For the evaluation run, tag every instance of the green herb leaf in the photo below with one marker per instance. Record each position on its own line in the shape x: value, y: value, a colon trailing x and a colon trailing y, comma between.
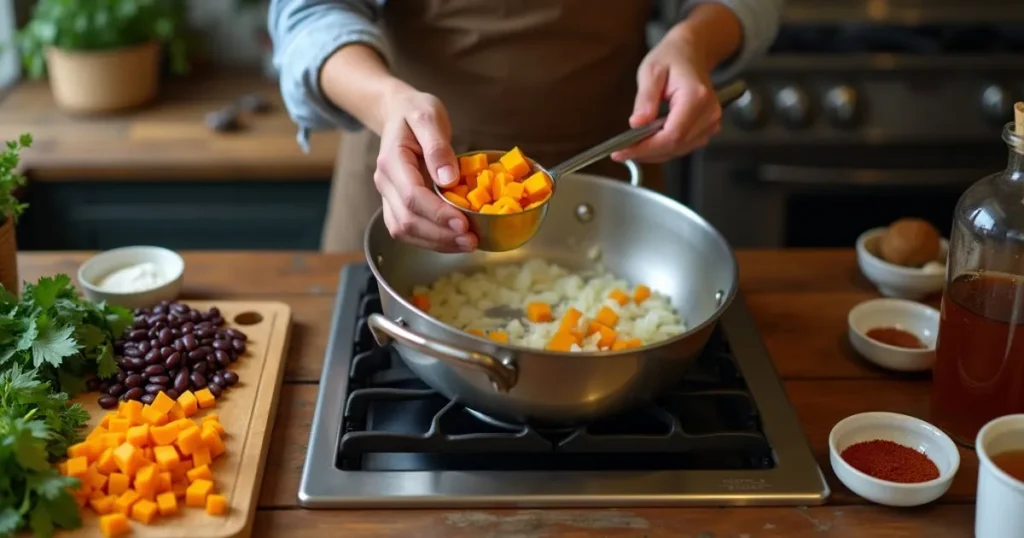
x: 52, y: 345
x: 10, y: 521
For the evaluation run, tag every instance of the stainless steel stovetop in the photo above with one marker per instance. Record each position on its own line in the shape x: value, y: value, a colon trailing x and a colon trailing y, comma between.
x: 382, y: 439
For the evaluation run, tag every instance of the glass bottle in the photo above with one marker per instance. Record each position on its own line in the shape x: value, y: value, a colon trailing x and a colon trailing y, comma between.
x: 979, y: 366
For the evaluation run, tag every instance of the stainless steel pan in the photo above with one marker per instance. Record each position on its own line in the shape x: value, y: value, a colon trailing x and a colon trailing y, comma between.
x: 642, y: 236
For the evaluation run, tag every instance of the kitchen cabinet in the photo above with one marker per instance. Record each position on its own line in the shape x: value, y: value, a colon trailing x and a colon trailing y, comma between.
x: 186, y: 215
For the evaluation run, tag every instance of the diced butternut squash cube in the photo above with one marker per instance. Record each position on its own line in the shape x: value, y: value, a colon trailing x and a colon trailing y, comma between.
x: 152, y: 416
x: 489, y: 209
x: 163, y: 435
x: 105, y: 421
x: 163, y: 482
x: 167, y: 503
x: 538, y: 312
x: 205, y: 398
x: 537, y: 186
x: 498, y: 336
x: 139, y: 435
x: 508, y: 203
x: 102, y: 505
x: 189, y: 440
x: 478, y: 197
x: 532, y: 205
x: 421, y: 301
x: 514, y: 191
x: 216, y: 505
x: 118, y: 483
x: 146, y: 481
x: 115, y: 439
x: 570, y: 321
x: 214, y: 443
x: 176, y: 413
x: 619, y: 296
x: 123, y: 504
x: 461, y: 189
x: 147, y: 453
x: 641, y: 293
x: 208, y: 417
x: 496, y: 168
x: 561, y: 342
x: 97, y: 433
x: 179, y: 489
x: 214, y: 425
x: 471, y: 165
x: 188, y: 403
x: 79, y: 450
x: 128, y: 458
x: 199, y: 473
x: 105, y: 463
x: 457, y: 199
x: 95, y: 478
x: 498, y: 185
x: 162, y: 403
x: 77, y: 467
x: 195, y: 495
x: 484, y: 180
x: 515, y: 163
x: 475, y: 332
x: 114, y: 525
x: 607, y: 337
x: 607, y: 317
x: 166, y: 457
x: 201, y: 457
x: 132, y: 410
x: 144, y: 511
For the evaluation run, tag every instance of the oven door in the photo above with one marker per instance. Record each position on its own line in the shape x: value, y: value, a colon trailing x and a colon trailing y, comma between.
x: 826, y: 196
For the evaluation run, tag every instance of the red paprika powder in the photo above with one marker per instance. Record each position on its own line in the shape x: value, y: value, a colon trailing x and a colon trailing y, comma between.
x: 890, y: 461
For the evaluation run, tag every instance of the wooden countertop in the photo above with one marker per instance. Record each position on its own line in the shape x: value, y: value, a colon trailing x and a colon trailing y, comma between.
x: 799, y: 298
x: 168, y: 140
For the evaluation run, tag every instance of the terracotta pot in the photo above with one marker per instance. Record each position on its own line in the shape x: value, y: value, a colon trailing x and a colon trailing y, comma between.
x: 104, y: 81
x: 9, y: 257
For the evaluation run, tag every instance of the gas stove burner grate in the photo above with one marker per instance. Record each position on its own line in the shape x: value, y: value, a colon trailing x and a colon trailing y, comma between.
x: 393, y: 421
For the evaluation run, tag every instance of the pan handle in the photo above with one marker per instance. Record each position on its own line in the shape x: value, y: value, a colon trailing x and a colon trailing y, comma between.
x: 503, y: 376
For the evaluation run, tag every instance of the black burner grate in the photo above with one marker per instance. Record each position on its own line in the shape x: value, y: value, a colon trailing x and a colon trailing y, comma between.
x: 394, y: 421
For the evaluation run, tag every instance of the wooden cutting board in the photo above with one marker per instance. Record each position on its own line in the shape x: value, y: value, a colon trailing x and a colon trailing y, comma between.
x: 247, y: 413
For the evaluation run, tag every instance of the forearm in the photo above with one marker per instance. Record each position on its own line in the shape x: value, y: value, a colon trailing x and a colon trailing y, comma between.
x: 356, y: 79
x: 715, y: 28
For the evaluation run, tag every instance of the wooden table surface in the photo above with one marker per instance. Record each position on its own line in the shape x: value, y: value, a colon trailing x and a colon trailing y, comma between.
x: 799, y: 298
x: 167, y: 140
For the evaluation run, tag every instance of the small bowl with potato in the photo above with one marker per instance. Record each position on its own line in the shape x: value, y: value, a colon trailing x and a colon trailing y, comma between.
x: 906, y: 260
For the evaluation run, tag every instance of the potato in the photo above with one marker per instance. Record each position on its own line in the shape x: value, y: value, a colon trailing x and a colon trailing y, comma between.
x: 910, y: 242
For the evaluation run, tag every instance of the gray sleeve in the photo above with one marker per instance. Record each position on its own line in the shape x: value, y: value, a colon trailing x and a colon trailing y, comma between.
x: 304, y: 34
x: 760, y: 21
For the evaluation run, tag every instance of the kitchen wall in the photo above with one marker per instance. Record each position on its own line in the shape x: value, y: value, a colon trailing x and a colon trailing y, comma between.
x: 231, y: 33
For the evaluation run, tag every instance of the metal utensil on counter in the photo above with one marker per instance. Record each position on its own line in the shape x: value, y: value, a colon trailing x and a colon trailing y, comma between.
x: 507, y: 231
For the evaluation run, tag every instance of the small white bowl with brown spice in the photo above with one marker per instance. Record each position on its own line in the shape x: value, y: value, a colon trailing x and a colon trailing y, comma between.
x: 895, y: 334
x: 917, y: 460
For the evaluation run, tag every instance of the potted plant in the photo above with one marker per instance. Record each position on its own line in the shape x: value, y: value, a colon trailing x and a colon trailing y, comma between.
x: 10, y: 209
x: 103, y: 55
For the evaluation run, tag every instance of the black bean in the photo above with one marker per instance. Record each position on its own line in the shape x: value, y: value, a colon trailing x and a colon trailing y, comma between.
x: 178, y: 346
x: 212, y: 365
x: 104, y: 385
x: 198, y: 379
x: 198, y: 354
x: 217, y: 321
x: 159, y: 326
x: 238, y: 345
x: 132, y: 394
x: 200, y: 367
x: 160, y: 308
x: 121, y: 376
x: 215, y: 389
x: 222, y: 358
x: 179, y: 308
x: 160, y: 380
x: 206, y: 332
x: 153, y: 388
x: 138, y: 335
x: 92, y: 384
x: 165, y: 337
x: 153, y: 357
x: 135, y: 364
x: 224, y: 345
x: 173, y: 360
x: 116, y: 389
x: 172, y: 394
x: 107, y: 402
x: 166, y: 351
x: 181, y: 381
x: 133, y: 352
x: 155, y: 343
x: 187, y: 327
x: 236, y: 334
x: 144, y: 347
x: 140, y: 324
x: 230, y: 378
x: 133, y: 381
x: 195, y: 317
x: 155, y: 369
x: 190, y: 342
x: 218, y: 379
x: 214, y: 311
x: 147, y: 398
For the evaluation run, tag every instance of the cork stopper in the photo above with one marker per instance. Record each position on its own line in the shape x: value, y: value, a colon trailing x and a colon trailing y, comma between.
x: 1018, y: 118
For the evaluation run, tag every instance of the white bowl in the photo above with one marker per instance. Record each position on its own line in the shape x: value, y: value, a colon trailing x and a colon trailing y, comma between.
x: 915, y: 318
x: 95, y: 269
x: 895, y: 280
x: 902, y: 429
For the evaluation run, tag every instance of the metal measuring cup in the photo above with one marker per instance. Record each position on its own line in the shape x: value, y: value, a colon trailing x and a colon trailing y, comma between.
x: 501, y: 232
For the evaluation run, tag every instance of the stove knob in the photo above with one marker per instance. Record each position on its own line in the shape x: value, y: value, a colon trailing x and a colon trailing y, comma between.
x: 748, y: 110
x: 997, y: 104
x: 841, y: 105
x: 793, y: 105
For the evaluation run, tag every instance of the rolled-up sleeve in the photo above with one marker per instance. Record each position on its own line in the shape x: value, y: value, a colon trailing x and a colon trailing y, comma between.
x: 760, y: 22
x: 305, y: 33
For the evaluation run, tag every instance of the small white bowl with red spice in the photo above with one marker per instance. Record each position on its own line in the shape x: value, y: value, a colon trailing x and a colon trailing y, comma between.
x: 895, y: 333
x: 892, y: 459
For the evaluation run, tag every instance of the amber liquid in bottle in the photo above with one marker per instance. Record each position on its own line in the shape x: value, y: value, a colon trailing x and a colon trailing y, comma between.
x: 979, y: 365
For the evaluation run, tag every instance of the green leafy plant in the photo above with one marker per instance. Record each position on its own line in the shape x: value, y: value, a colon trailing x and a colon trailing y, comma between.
x: 10, y: 179
x: 64, y: 338
x: 95, y: 25
x: 36, y: 428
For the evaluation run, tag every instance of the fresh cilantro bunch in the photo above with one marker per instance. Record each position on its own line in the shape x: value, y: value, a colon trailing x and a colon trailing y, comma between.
x: 62, y: 337
x: 10, y: 180
x: 36, y: 427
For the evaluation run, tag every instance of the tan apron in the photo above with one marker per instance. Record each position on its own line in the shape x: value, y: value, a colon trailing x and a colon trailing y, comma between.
x: 550, y: 76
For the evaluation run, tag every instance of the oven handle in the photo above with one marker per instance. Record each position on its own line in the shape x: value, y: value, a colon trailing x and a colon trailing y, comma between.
x: 881, y: 177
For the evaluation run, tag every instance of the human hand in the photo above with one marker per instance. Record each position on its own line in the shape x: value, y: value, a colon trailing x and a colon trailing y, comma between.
x: 415, y: 149
x: 676, y: 70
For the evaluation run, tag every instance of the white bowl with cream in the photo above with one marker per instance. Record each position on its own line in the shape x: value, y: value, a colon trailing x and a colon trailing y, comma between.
x: 897, y: 281
x: 133, y: 277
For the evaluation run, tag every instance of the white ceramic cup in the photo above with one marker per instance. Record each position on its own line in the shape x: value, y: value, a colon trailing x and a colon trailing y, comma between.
x: 999, y: 512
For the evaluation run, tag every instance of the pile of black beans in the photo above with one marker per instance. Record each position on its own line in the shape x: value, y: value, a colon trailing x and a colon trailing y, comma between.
x: 172, y: 348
